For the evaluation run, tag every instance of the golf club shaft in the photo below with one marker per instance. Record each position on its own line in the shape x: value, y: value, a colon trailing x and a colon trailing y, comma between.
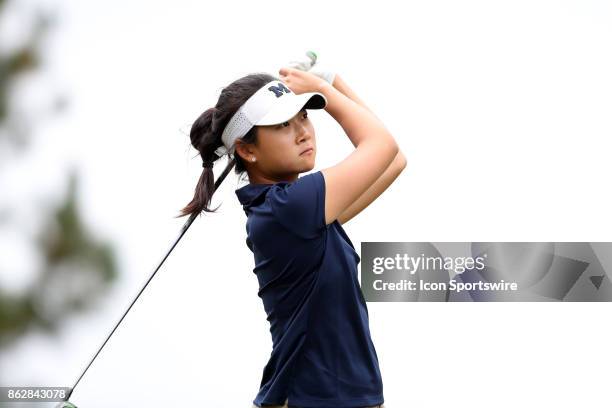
x: 182, y: 232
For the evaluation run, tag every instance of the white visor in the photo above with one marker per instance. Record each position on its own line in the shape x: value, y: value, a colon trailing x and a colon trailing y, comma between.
x: 273, y: 103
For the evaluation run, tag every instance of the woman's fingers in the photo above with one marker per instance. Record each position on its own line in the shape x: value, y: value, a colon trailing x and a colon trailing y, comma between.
x: 285, y: 71
x: 298, y: 81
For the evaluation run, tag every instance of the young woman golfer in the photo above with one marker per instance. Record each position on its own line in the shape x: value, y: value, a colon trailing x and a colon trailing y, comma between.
x: 306, y: 265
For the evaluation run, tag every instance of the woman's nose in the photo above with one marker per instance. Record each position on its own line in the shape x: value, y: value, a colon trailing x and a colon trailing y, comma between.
x: 302, y: 132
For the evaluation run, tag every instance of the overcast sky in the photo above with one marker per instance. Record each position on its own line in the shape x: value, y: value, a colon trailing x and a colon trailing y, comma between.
x: 501, y: 108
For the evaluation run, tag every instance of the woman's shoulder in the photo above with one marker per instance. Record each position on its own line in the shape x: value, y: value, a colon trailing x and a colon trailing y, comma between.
x: 300, y: 205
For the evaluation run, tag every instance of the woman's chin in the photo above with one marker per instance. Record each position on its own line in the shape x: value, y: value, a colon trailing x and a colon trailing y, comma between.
x: 307, y: 167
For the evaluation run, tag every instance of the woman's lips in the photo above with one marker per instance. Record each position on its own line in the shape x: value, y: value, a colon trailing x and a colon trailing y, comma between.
x: 308, y: 151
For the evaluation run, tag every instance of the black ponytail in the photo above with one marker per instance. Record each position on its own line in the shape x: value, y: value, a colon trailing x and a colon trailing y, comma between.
x: 205, y: 136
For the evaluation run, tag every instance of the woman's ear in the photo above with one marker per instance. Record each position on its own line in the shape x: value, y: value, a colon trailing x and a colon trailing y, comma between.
x: 242, y: 150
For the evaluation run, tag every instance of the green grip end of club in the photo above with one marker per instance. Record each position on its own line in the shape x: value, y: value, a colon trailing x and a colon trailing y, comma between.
x: 312, y: 55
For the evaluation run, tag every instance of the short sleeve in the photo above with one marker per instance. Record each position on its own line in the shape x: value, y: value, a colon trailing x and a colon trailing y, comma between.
x: 300, y: 206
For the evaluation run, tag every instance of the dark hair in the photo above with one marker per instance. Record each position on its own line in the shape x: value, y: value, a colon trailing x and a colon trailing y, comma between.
x: 206, y: 133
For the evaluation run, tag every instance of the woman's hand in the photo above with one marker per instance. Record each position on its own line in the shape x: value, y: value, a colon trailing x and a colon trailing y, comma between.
x: 310, y: 62
x: 301, y: 81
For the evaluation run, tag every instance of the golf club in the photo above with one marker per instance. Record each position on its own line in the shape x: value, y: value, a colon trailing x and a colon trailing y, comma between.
x: 184, y: 228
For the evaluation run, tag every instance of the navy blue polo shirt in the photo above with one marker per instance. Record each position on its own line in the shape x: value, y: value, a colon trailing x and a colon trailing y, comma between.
x: 322, y: 353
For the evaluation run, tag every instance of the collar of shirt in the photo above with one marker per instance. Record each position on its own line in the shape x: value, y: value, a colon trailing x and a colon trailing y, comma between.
x: 248, y: 194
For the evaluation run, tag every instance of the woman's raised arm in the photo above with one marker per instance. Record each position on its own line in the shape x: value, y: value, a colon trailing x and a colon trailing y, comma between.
x: 375, y: 149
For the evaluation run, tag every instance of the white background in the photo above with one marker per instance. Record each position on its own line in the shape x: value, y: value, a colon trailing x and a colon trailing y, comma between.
x: 501, y: 108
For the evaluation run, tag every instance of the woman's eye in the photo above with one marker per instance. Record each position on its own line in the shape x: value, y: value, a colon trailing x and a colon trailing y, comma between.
x: 285, y: 124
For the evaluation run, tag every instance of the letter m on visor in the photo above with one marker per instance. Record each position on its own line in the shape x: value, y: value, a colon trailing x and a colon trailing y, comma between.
x: 279, y: 90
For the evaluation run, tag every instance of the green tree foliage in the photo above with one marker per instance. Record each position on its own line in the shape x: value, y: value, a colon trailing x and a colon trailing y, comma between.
x: 76, y: 267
